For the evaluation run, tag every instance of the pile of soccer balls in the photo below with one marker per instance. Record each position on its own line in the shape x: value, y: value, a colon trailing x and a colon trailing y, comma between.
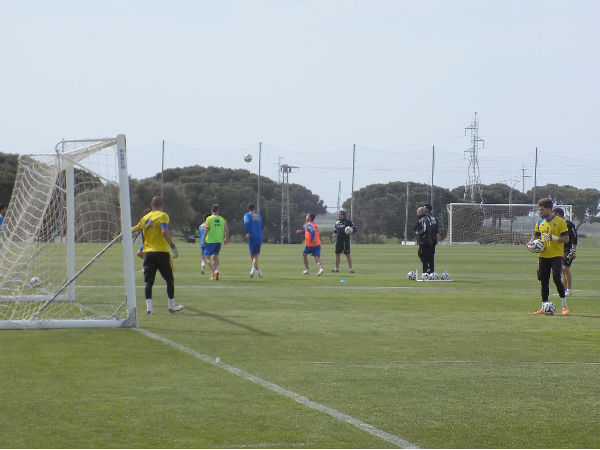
x: 412, y: 275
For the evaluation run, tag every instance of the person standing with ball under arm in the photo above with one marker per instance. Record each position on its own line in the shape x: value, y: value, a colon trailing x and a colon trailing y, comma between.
x: 157, y: 242
x: 568, y: 252
x: 342, y: 240
x: 554, y: 232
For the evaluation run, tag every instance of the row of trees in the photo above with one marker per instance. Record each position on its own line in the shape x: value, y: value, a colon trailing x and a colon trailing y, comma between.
x: 379, y: 210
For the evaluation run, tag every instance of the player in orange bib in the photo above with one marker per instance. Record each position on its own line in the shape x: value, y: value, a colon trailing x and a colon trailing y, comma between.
x: 312, y: 243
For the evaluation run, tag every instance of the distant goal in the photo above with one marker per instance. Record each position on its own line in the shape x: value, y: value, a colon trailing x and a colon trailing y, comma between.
x: 472, y: 223
x: 66, y: 251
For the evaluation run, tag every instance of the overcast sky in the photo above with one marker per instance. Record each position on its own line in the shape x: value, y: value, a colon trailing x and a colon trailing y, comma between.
x: 309, y: 79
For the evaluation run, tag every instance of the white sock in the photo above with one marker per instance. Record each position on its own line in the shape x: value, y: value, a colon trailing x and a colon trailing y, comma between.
x: 217, y: 269
x: 172, y: 303
x: 203, y: 264
x: 252, y: 270
x: 563, y: 301
x: 148, y: 303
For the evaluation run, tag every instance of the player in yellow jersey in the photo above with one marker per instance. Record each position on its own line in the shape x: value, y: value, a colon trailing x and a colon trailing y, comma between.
x: 157, y: 242
x: 554, y: 233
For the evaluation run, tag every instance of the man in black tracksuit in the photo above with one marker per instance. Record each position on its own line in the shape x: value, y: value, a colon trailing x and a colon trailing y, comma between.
x: 342, y: 240
x: 426, y: 231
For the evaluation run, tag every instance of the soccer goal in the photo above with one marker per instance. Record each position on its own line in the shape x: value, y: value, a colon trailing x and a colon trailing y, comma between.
x: 472, y: 223
x: 66, y: 251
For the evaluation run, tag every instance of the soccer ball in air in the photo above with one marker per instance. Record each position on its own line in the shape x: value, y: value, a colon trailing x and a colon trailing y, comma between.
x: 348, y: 230
x: 445, y: 276
x: 35, y: 282
x: 549, y: 308
x: 411, y: 275
x: 535, y: 246
x: 248, y: 158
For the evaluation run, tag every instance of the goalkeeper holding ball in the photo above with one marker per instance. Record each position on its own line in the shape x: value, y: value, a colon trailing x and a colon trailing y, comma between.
x: 157, y: 241
x: 553, y: 230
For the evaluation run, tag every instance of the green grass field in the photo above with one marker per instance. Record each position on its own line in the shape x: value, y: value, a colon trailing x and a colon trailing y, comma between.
x: 456, y: 365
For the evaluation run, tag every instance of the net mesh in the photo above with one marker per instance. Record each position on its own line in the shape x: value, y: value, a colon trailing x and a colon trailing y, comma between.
x: 40, y: 253
x: 494, y: 223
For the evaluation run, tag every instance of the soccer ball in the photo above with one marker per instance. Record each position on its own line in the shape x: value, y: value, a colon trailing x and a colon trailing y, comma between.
x: 35, y: 282
x: 445, y: 276
x: 348, y: 230
x: 411, y: 275
x: 425, y: 277
x: 549, y: 308
x: 248, y: 158
x: 535, y: 246
x: 434, y: 276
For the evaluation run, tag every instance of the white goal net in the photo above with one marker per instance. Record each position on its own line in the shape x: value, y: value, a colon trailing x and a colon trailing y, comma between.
x: 493, y: 223
x: 66, y: 253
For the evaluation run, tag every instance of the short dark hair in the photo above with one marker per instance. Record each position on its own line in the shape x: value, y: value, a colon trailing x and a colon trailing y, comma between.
x: 342, y: 212
x: 215, y: 208
x: 427, y: 206
x: 251, y: 206
x: 156, y: 202
x: 311, y: 215
x: 545, y: 202
x: 559, y: 211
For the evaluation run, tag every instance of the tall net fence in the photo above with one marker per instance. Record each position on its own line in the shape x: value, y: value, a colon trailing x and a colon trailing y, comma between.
x: 334, y: 173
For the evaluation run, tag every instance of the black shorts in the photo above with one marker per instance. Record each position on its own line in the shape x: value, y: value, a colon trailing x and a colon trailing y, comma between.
x: 342, y: 246
x: 566, y: 260
x: 160, y: 261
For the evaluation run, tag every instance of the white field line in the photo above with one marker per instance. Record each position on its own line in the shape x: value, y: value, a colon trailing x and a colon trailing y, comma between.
x: 384, y: 435
x: 458, y: 361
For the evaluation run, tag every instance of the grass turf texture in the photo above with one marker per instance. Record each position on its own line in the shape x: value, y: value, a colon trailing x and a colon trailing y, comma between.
x: 462, y: 365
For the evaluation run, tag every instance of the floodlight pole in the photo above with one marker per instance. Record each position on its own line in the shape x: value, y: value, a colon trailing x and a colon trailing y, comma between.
x: 432, y: 170
x: 535, y: 175
x: 162, y: 173
x: 352, y: 196
x: 258, y: 189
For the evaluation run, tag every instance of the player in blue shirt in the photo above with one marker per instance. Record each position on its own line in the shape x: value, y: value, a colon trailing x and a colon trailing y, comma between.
x: 201, y: 232
x: 254, y: 224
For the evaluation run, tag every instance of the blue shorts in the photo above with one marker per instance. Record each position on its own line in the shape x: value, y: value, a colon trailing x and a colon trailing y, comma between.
x: 212, y: 249
x: 314, y: 250
x: 203, y: 248
x: 254, y: 246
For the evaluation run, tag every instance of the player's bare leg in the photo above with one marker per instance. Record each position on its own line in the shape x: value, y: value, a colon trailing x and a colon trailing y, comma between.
x: 349, y: 259
x: 305, y: 259
x: 318, y: 261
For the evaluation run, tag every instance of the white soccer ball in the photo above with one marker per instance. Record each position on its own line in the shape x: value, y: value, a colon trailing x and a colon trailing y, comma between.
x: 411, y: 275
x: 549, y: 308
x: 349, y: 230
x: 248, y: 157
x: 535, y: 246
x: 425, y: 276
x: 445, y: 276
x: 35, y: 282
x: 434, y: 276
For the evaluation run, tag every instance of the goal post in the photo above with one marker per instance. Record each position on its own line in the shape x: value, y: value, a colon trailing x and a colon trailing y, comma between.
x: 497, y: 223
x: 66, y: 252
